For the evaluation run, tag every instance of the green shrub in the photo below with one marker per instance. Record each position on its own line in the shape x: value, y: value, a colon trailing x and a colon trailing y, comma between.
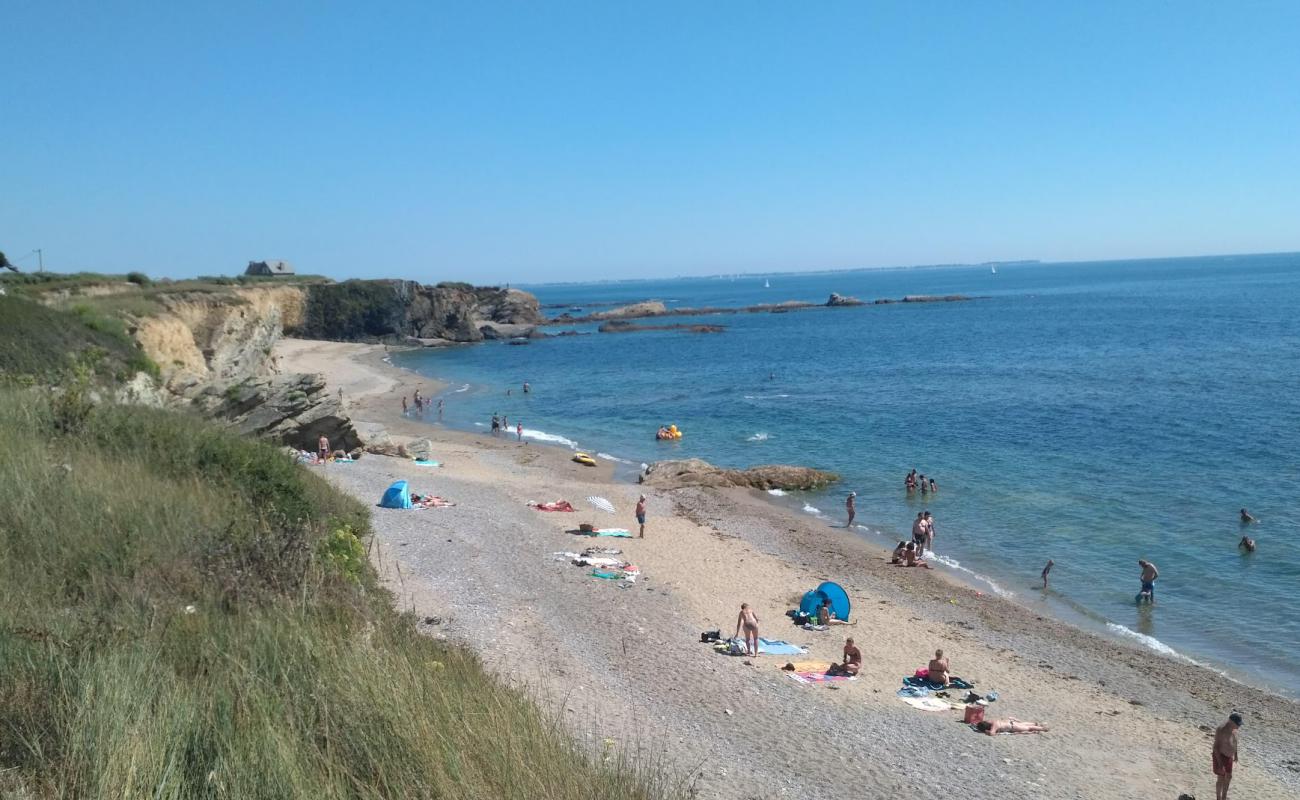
x: 186, y: 614
x: 353, y: 310
x: 138, y: 278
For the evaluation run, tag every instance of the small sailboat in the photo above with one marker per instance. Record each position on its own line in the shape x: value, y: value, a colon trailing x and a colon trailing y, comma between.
x: 993, y: 269
x: 766, y: 284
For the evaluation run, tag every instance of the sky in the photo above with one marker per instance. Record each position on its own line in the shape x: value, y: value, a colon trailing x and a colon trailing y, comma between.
x: 540, y: 141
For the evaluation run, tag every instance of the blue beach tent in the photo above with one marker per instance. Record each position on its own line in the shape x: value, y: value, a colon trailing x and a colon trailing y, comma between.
x: 397, y: 496
x: 827, y: 591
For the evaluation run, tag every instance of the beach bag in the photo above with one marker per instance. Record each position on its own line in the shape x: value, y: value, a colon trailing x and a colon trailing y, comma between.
x: 710, y: 636
x: 974, y: 715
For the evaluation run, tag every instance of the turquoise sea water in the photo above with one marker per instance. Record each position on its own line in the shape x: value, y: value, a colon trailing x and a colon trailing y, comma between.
x: 1093, y: 414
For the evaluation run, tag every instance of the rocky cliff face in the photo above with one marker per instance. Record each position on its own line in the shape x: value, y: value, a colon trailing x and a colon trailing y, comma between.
x: 694, y: 472
x: 398, y: 311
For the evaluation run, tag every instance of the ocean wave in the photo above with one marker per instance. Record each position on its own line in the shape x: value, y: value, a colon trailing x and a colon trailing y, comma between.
x: 608, y: 457
x: 758, y: 437
x: 480, y: 424
x: 765, y: 396
x: 953, y: 563
x: 1150, y: 642
x: 776, y: 492
x: 464, y: 388
x: 809, y: 509
x: 554, y: 438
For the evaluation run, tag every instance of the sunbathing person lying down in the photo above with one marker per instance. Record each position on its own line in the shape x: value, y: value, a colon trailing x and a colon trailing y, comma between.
x: 430, y: 501
x: 1010, y: 725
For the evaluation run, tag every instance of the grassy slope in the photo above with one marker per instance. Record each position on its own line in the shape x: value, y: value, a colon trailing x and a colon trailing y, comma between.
x: 45, y: 345
x: 186, y: 614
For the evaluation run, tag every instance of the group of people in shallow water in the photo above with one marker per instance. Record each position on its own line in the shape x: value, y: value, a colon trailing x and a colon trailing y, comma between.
x: 421, y: 404
x: 914, y: 482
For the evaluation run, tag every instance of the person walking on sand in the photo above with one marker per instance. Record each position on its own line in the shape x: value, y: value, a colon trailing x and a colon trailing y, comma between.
x: 1149, y: 575
x: 519, y: 431
x: 1047, y: 569
x: 404, y: 408
x: 440, y: 408
x: 323, y: 448
x: 849, y: 506
x: 640, y: 515
x: 748, y: 621
x: 1224, y: 755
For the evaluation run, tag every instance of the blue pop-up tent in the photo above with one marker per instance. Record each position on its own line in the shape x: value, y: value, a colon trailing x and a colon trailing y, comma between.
x: 396, y: 496
x: 827, y: 591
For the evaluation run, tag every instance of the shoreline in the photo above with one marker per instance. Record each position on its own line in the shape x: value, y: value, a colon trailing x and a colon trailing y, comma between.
x: 1059, y: 606
x: 1042, y: 666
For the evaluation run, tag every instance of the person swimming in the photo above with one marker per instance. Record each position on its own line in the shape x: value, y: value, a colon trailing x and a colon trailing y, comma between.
x: 1246, y: 517
x: 1248, y: 543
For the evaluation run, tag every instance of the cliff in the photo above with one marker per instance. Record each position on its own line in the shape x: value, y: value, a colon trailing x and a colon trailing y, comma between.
x: 399, y: 311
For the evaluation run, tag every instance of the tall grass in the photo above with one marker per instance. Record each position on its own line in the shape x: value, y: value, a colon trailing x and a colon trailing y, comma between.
x: 175, y: 622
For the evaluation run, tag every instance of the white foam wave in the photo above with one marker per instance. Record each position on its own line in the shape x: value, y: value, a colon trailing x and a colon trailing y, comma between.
x: 809, y: 509
x: 608, y: 457
x: 758, y: 437
x: 464, y: 388
x: 554, y: 438
x: 776, y: 492
x: 765, y: 396
x: 480, y: 424
x: 953, y: 563
x: 1150, y: 642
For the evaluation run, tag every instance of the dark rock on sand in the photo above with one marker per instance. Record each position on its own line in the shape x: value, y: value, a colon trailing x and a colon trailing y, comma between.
x: 295, y: 409
x: 696, y: 472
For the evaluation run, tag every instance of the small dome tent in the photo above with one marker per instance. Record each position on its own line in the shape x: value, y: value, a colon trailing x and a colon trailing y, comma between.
x: 833, y: 592
x: 396, y: 496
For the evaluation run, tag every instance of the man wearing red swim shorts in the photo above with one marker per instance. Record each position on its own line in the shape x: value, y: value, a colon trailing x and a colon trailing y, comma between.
x: 1225, y: 754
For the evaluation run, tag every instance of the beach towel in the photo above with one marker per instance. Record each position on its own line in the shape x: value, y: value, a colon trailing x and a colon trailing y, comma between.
x: 615, y: 575
x: 808, y: 666
x: 924, y: 683
x: 424, y: 462
x: 598, y: 561
x: 927, y: 703
x: 820, y: 677
x: 775, y: 647
x: 618, y: 533
x: 558, y: 505
x: 433, y: 502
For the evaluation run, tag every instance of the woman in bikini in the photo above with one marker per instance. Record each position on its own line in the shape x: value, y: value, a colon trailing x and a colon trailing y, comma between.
x: 748, y: 621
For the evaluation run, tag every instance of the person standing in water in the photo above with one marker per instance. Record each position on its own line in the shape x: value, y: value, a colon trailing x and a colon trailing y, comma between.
x: 1149, y: 575
x: 849, y: 506
x: 748, y: 621
x: 404, y: 409
x: 640, y: 515
x: 929, y: 531
x: 918, y: 533
x: 1047, y: 569
x: 439, y: 408
x: 1224, y: 755
x: 527, y: 389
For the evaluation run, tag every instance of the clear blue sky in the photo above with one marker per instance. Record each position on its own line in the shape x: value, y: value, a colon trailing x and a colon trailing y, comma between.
x: 540, y: 141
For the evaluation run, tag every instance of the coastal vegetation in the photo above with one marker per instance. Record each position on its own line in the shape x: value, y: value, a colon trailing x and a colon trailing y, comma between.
x: 186, y: 613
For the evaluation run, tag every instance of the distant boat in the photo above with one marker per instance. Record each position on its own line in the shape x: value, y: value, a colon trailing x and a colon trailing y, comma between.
x: 766, y: 285
x: 994, y: 270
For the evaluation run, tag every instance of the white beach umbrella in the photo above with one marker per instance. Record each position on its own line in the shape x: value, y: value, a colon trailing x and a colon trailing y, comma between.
x: 601, y: 503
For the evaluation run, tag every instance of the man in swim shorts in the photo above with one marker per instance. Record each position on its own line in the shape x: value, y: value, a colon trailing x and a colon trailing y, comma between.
x: 850, y: 507
x: 1149, y: 575
x: 918, y: 532
x: 1224, y: 755
x: 1047, y: 569
x: 748, y: 621
x: 640, y: 515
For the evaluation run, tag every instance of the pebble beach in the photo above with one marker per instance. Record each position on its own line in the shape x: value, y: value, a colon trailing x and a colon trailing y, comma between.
x: 623, y: 664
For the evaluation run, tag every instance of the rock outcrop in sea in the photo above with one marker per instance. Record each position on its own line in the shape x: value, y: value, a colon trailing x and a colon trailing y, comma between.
x: 697, y: 472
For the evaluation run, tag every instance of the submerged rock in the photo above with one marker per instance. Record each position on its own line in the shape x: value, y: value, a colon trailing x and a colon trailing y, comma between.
x: 697, y: 472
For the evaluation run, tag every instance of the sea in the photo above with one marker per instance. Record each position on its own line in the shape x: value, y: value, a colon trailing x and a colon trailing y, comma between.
x: 1093, y: 414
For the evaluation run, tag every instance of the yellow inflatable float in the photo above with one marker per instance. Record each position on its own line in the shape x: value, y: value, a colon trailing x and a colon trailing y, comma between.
x: 668, y: 432
x: 584, y: 459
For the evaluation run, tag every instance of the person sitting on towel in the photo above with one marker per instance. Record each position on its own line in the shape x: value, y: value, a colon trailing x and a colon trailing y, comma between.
x: 852, y: 660
x: 1013, y: 725
x: 827, y: 617
x: 938, y: 668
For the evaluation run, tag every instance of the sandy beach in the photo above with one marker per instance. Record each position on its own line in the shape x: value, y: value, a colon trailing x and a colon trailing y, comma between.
x: 625, y: 662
